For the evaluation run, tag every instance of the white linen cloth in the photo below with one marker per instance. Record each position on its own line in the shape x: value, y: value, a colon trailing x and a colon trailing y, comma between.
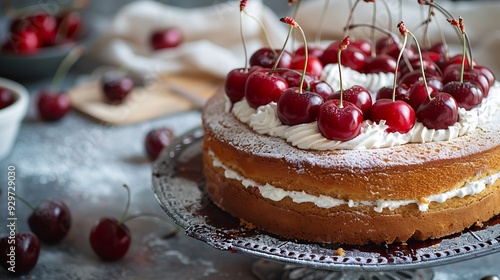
x: 213, y: 42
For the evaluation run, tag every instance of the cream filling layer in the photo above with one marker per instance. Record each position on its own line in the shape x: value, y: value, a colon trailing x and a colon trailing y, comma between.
x: 264, y: 120
x: 276, y: 194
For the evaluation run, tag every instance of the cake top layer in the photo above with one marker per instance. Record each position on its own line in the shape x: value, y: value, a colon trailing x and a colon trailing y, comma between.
x: 221, y: 122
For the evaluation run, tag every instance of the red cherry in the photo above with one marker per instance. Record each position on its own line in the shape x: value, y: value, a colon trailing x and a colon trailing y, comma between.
x: 381, y: 63
x: 412, y: 77
x: 25, y: 42
x: 166, y: 38
x: 7, y: 98
x: 440, y: 112
x: 456, y: 59
x: 452, y: 73
x: 341, y: 123
x: 295, y: 108
x: 364, y: 45
x: 440, y: 49
x: 293, y: 78
x: 69, y: 25
x: 386, y: 93
x: 417, y: 93
x: 467, y: 94
x: 415, y: 64
x: 109, y: 239
x: 156, y: 140
x: 490, y: 76
x: 53, y: 106
x: 234, y: 85
x: 314, y: 66
x: 50, y: 221
x: 357, y: 95
x: 46, y: 28
x: 351, y: 57
x: 382, y: 43
x: 266, y: 58
x: 322, y: 88
x: 394, y: 50
x: 312, y: 51
x: 264, y: 87
x: 116, y: 86
x: 399, y: 116
x: 24, y: 247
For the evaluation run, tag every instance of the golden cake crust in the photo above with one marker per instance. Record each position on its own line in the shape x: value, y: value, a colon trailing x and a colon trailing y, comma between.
x: 412, y: 171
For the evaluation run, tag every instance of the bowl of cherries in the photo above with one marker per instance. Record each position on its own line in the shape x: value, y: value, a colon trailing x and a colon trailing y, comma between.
x: 34, y: 44
x: 14, y: 100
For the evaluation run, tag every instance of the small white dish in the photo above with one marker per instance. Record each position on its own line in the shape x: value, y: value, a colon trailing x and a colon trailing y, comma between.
x: 12, y: 116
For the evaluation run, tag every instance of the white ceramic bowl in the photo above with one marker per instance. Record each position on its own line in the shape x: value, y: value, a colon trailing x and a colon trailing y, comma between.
x: 12, y: 116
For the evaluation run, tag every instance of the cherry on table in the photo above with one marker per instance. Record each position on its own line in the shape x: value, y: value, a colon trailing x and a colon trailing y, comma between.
x: 52, y: 105
x: 266, y: 57
x: 156, y: 140
x: 50, y: 221
x: 439, y: 112
x: 339, y: 122
x: 26, y: 251
x: 109, y: 239
x: 294, y: 107
x: 166, y: 38
x: 116, y: 85
x: 264, y: 86
x: 467, y: 94
x: 7, y: 98
x: 399, y: 116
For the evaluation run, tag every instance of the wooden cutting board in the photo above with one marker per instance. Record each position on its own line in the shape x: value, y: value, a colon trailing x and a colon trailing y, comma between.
x: 169, y: 94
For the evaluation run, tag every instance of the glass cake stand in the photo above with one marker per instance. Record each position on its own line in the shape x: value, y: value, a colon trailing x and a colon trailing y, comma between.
x: 178, y: 184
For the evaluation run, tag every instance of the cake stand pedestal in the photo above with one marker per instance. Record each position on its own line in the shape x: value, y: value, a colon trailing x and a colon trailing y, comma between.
x: 178, y: 184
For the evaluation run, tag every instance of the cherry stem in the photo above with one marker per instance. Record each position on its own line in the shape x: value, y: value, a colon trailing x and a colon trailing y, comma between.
x: 349, y: 19
x: 141, y: 215
x: 124, y: 215
x: 24, y: 201
x: 242, y: 7
x: 449, y: 17
x: 400, y: 55
x: 282, y: 49
x: 374, y: 21
x: 319, y: 29
x: 342, y: 46
x: 263, y: 28
x: 420, y: 58
x: 63, y: 68
x: 295, y: 12
x: 293, y: 24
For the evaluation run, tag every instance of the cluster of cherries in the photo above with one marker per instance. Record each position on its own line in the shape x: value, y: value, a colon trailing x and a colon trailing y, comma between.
x: 31, y: 33
x: 430, y: 86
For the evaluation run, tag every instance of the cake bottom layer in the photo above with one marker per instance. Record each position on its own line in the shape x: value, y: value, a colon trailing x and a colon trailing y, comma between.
x: 343, y: 224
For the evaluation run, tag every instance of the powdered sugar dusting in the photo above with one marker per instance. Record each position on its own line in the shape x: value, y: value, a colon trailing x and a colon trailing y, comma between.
x: 230, y: 130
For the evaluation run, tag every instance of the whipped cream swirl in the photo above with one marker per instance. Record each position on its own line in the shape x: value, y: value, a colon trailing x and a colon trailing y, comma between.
x: 264, y: 120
